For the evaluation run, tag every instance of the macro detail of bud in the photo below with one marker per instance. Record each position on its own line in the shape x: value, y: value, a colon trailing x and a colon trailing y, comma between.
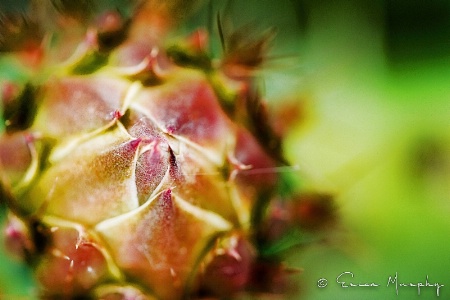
x: 137, y: 170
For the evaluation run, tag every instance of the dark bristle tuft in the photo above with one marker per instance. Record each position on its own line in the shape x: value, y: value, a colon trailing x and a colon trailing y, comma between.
x: 81, y: 10
x: 18, y: 31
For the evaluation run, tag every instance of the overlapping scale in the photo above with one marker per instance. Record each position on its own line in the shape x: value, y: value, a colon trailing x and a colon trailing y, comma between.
x: 160, y: 244
x: 94, y: 182
x: 74, y: 263
x: 78, y: 105
x: 15, y: 156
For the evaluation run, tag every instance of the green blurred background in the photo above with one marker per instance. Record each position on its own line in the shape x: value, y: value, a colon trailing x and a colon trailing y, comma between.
x: 376, y: 76
x: 373, y: 81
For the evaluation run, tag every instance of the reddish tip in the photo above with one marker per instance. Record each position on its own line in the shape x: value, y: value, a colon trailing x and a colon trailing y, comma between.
x: 29, y: 138
x: 116, y: 115
x: 135, y: 143
x: 199, y: 40
x: 17, y: 239
x: 167, y: 196
x: 10, y: 91
x: 170, y: 129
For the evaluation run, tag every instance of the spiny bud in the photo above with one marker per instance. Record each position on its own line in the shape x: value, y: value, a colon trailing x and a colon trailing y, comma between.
x: 140, y: 171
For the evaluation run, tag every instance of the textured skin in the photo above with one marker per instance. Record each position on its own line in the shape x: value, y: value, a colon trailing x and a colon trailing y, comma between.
x: 132, y: 172
x: 135, y: 172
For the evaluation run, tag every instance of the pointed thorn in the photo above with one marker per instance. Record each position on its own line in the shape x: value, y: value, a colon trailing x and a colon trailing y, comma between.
x: 29, y: 138
x: 199, y: 40
x: 135, y: 143
x: 116, y: 115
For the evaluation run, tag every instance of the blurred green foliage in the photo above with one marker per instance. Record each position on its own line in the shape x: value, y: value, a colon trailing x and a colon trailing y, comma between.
x: 378, y: 137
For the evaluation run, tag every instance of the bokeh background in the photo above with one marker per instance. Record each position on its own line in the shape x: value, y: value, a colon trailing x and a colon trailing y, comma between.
x: 372, y: 79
